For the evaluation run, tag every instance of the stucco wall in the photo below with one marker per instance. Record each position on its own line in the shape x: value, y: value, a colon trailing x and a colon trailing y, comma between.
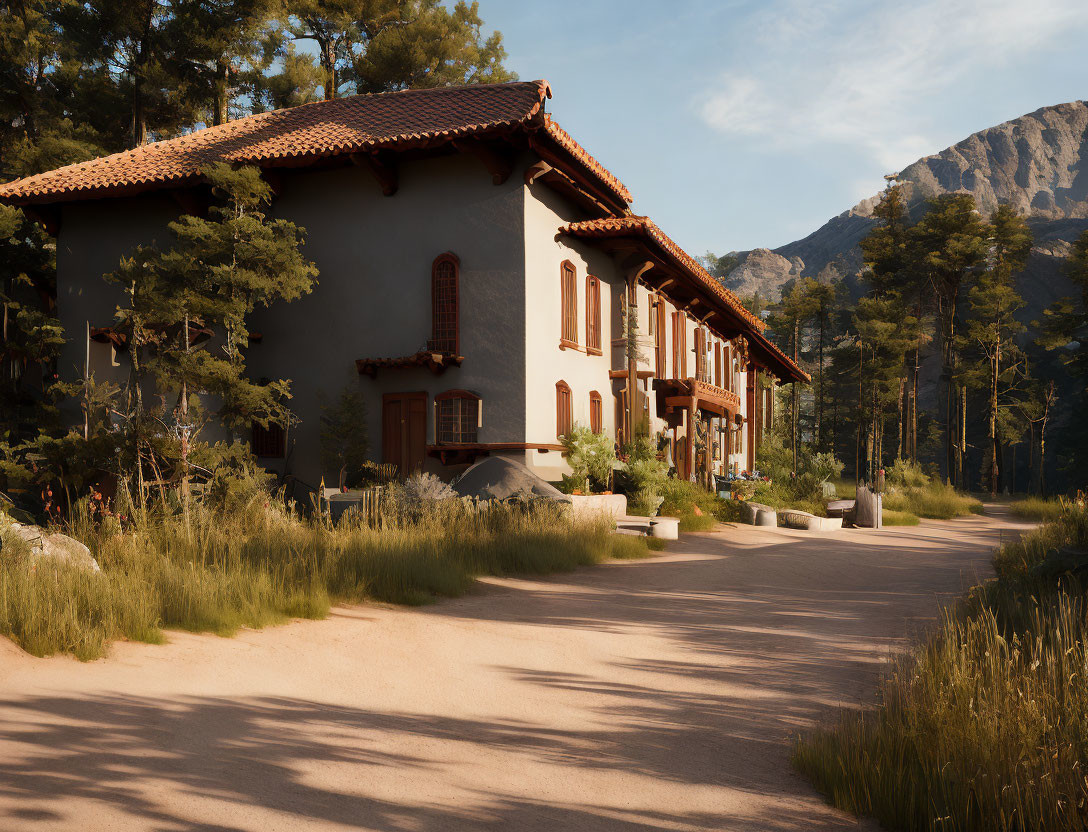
x: 546, y: 363
x: 373, y: 298
x: 374, y: 254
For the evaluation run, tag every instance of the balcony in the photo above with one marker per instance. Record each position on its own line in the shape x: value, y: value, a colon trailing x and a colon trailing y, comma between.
x: 683, y: 393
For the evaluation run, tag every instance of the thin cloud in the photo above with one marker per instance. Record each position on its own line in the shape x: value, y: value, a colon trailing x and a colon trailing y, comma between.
x: 860, y: 74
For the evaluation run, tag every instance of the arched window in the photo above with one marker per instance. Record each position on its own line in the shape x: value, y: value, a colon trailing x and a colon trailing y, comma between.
x: 445, y: 305
x: 564, y: 419
x: 593, y: 315
x: 569, y: 290
x: 596, y: 415
x: 456, y: 417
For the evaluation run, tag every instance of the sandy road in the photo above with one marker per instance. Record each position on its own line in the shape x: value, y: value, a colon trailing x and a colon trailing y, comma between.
x: 657, y: 695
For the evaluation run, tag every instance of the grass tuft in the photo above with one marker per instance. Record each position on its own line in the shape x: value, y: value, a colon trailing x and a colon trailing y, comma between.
x: 983, y: 727
x: 265, y: 564
x: 1037, y: 508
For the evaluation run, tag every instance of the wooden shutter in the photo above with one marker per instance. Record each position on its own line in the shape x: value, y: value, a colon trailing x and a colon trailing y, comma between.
x: 563, y: 418
x: 659, y: 339
x: 717, y: 364
x: 596, y: 417
x: 700, y: 353
x: 445, y: 305
x: 569, y: 291
x: 681, y: 327
x: 593, y: 314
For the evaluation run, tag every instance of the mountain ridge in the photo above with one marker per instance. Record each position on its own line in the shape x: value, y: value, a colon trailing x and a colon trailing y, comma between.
x: 1038, y: 163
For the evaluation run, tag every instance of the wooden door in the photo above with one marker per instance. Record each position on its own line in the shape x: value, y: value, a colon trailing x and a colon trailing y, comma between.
x: 404, y: 431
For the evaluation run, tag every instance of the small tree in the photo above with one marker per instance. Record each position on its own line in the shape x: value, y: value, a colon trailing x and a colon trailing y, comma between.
x: 344, y: 439
x: 200, y: 293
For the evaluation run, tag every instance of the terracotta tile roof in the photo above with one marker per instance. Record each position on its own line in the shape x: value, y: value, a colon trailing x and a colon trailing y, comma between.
x: 689, y: 266
x: 300, y: 135
x: 564, y: 140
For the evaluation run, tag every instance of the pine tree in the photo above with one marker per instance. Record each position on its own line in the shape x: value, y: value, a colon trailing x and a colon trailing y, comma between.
x: 198, y: 294
x: 948, y: 246
x: 992, y: 327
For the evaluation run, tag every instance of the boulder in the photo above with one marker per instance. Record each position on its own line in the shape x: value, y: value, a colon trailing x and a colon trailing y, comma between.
x: 498, y: 478
x: 45, y: 544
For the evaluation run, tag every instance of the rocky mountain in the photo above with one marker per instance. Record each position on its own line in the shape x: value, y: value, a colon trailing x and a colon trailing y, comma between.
x: 1037, y: 163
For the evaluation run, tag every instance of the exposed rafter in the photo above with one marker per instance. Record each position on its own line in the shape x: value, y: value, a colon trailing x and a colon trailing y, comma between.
x: 383, y: 167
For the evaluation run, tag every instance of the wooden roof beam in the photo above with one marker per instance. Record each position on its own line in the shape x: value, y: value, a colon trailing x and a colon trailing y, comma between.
x: 499, y: 162
x: 383, y: 167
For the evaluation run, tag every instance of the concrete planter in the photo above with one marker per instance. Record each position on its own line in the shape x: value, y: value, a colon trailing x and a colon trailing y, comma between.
x: 613, y: 506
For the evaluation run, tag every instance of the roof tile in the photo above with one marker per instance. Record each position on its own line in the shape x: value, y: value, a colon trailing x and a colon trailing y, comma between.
x: 320, y: 129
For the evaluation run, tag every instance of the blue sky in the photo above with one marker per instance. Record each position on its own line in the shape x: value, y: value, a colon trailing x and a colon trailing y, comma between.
x: 742, y: 124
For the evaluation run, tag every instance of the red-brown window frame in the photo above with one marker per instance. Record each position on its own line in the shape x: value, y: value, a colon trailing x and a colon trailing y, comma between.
x: 596, y: 412
x: 717, y: 364
x: 593, y: 315
x: 461, y: 396
x: 564, y: 414
x: 268, y: 442
x: 568, y: 290
x: 441, y: 306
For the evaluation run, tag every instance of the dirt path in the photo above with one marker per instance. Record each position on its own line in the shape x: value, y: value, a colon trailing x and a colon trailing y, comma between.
x: 656, y: 695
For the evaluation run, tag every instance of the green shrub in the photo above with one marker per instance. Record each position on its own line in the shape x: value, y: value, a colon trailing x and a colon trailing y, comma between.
x: 681, y: 500
x: 906, y: 474
x: 591, y: 457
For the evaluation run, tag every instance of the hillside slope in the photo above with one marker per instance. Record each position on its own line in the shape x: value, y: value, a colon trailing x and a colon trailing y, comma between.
x: 1038, y: 163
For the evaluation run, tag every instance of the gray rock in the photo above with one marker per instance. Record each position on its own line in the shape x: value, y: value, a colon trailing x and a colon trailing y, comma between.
x: 497, y: 478
x: 54, y: 545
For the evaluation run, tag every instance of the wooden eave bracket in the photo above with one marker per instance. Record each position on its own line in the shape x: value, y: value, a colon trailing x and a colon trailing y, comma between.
x: 499, y: 163
x: 383, y: 167
x: 536, y: 170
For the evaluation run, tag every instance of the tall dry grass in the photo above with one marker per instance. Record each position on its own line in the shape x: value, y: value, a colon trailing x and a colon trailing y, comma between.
x: 934, y: 500
x: 984, y: 727
x: 262, y: 563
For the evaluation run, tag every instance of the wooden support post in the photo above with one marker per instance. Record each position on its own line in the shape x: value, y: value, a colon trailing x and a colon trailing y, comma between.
x: 633, y: 276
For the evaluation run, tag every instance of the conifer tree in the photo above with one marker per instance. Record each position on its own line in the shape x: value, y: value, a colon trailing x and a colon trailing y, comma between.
x: 992, y: 327
x: 948, y: 245
x: 188, y: 305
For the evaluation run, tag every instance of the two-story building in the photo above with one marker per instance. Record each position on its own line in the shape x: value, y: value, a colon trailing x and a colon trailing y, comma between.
x: 477, y: 268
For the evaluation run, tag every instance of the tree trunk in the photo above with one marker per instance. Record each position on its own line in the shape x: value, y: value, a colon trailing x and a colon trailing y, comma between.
x: 820, y: 388
x: 996, y: 369
x: 220, y: 114
x: 914, y: 413
x: 328, y: 64
x: 899, y: 449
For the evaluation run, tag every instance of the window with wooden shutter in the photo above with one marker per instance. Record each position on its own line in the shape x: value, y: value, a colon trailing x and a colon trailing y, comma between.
x: 593, y: 315
x: 456, y: 417
x: 660, y: 357
x: 270, y: 441
x: 717, y: 363
x: 564, y: 419
x: 445, y: 305
x: 596, y: 415
x: 569, y: 290
x: 700, y: 353
x: 679, y: 345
